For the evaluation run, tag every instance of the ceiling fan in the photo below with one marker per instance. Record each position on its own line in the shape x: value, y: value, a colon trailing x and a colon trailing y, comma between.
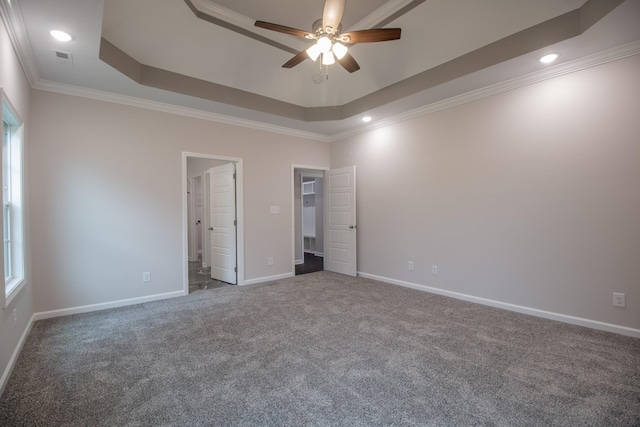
x: 331, y: 43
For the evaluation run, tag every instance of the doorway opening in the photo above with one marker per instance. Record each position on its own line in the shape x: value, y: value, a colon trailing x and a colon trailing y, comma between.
x: 213, y: 222
x: 308, y: 207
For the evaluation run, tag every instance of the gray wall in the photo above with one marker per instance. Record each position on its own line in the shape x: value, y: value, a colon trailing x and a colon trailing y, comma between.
x: 16, y: 89
x: 530, y: 197
x: 108, y: 204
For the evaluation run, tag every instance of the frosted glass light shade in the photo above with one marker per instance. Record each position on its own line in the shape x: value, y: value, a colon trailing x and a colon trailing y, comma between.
x: 313, y: 52
x: 324, y: 44
x: 328, y: 59
x: 339, y: 50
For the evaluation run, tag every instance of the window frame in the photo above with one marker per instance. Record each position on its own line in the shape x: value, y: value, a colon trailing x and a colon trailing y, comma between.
x: 13, y: 201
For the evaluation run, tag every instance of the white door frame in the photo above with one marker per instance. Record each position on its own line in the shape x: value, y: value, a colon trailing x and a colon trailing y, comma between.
x: 239, y: 213
x: 191, y: 215
x: 295, y: 166
x: 206, y: 238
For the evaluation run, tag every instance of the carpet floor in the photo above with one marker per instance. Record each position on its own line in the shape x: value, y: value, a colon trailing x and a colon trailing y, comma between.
x: 320, y: 349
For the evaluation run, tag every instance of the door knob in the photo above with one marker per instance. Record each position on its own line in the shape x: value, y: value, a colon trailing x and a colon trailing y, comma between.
x: 210, y: 228
x: 352, y: 226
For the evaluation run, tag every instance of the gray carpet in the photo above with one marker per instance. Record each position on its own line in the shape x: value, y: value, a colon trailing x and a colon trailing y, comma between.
x: 320, y: 349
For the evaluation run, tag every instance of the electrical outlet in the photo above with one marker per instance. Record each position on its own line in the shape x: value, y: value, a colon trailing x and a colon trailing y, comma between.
x: 410, y: 265
x: 434, y: 270
x: 618, y: 300
x: 270, y: 261
x: 146, y: 276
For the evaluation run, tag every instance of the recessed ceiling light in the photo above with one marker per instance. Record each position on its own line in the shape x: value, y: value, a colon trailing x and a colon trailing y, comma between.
x: 366, y: 119
x: 61, y: 36
x: 548, y: 59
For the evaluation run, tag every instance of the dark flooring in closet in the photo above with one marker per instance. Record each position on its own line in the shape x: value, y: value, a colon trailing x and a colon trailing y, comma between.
x: 312, y: 263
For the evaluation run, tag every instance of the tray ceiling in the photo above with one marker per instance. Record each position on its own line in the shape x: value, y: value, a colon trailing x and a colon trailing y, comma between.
x: 208, y: 56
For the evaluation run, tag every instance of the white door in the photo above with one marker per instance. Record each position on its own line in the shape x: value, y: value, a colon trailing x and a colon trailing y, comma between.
x: 222, y: 223
x: 340, y: 220
x: 206, y: 219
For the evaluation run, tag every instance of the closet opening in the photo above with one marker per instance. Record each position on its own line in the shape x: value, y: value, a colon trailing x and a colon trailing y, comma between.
x: 309, y: 220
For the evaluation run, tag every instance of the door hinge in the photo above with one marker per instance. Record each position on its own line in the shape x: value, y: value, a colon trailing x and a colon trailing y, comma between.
x: 235, y: 269
x: 234, y: 175
x: 235, y: 222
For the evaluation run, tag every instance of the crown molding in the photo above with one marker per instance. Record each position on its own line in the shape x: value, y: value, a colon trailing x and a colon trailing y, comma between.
x: 12, y: 18
x: 593, y: 60
x: 610, y: 55
x: 131, y: 101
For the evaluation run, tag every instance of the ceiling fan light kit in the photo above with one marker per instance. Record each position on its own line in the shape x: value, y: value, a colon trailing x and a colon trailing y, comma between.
x: 313, y: 52
x: 324, y: 44
x: 339, y: 50
x: 328, y: 59
x: 329, y: 39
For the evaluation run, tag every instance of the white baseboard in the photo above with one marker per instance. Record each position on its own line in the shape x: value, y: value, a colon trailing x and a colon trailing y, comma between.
x: 14, y: 357
x: 299, y: 261
x: 105, y: 306
x: 593, y: 324
x: 269, y: 278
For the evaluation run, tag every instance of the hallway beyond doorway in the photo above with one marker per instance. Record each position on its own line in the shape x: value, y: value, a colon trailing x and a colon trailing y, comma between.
x: 200, y: 278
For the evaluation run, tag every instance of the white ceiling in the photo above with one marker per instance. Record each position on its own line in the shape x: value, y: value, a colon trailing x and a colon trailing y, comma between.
x: 395, y: 77
x: 299, y: 13
x: 166, y: 34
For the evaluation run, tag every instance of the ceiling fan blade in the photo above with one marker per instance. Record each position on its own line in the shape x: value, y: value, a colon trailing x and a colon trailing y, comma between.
x: 332, y: 15
x: 370, y: 36
x: 283, y: 29
x: 349, y: 63
x: 301, y: 56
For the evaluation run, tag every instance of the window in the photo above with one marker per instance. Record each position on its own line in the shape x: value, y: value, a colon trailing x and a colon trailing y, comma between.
x: 12, y: 201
